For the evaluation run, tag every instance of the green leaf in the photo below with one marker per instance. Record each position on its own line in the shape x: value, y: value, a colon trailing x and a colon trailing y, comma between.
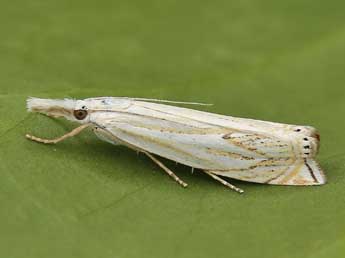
x: 270, y: 60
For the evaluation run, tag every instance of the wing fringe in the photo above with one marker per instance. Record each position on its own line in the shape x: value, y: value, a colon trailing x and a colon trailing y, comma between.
x: 302, y: 172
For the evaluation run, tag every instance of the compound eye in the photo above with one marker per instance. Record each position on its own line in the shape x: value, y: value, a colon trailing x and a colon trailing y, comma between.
x: 80, y: 114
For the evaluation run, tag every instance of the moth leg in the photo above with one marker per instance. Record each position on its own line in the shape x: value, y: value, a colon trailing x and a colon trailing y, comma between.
x: 169, y: 172
x: 227, y: 184
x: 74, y: 132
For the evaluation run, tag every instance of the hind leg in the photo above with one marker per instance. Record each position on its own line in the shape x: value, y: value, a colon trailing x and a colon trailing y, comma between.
x: 167, y: 170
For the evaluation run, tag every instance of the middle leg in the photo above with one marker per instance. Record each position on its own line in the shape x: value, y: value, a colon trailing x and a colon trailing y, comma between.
x: 227, y: 184
x: 167, y: 170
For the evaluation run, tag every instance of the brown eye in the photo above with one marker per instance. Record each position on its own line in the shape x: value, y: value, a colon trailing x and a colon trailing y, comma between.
x: 80, y: 114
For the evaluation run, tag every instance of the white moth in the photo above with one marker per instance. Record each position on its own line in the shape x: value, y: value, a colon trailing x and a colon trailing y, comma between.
x: 243, y: 149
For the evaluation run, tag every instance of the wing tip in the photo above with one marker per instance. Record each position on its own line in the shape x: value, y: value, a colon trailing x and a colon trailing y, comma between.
x: 320, y: 176
x: 307, y: 174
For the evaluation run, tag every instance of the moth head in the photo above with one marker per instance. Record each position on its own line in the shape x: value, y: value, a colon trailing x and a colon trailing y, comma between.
x: 70, y: 109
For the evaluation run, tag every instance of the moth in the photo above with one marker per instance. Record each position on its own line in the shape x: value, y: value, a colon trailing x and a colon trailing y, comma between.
x: 221, y: 146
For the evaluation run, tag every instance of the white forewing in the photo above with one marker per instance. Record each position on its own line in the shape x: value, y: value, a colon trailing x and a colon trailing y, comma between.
x: 238, y: 124
x: 189, y: 141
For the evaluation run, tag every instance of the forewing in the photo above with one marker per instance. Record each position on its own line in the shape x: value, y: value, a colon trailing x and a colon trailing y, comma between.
x: 242, y: 124
x: 191, y: 142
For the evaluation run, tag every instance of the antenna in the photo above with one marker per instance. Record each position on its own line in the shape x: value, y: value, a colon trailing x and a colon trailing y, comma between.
x: 171, y: 101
